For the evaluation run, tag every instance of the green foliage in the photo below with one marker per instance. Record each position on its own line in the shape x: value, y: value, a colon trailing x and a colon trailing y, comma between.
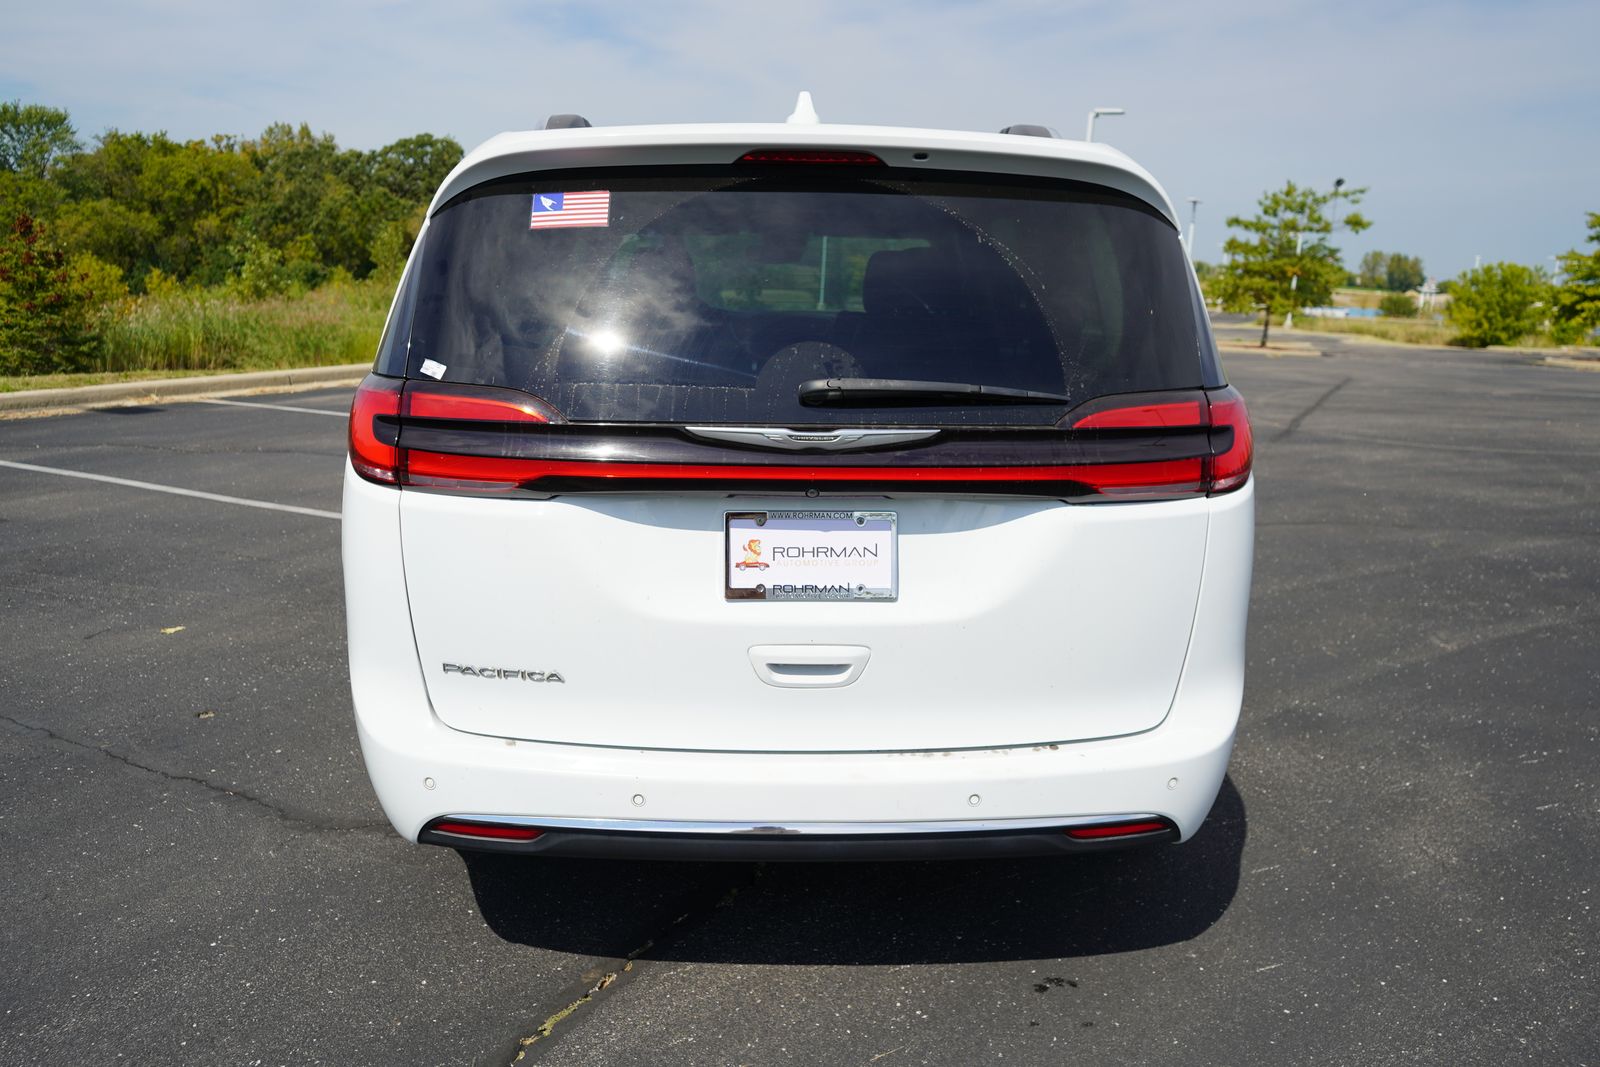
x: 1391, y: 271
x: 1370, y: 275
x: 45, y: 308
x: 1576, y: 302
x: 210, y: 329
x: 1496, y: 304
x: 1285, y: 261
x: 202, y: 211
x: 222, y: 237
x: 1397, y: 306
x: 33, y: 137
x: 412, y: 168
x: 1403, y: 273
x: 1418, y: 331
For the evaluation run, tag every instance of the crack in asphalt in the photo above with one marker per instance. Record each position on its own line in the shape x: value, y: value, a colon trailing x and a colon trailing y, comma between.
x: 285, y: 814
x: 1294, y: 423
x: 591, y: 987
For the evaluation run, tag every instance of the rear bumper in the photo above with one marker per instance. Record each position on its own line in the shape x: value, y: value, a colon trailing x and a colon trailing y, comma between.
x: 608, y: 839
x: 422, y: 769
x: 434, y: 772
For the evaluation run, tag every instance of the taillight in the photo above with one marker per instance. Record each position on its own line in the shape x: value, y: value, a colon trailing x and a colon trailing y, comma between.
x: 466, y: 437
x: 1118, y: 480
x: 474, y: 403
x: 383, y: 405
x: 1151, y: 416
x: 1229, y: 467
x: 825, y: 156
x: 374, y: 429
x: 1219, y: 412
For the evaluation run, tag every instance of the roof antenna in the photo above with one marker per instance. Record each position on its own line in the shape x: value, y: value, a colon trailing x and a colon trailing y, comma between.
x: 804, y: 113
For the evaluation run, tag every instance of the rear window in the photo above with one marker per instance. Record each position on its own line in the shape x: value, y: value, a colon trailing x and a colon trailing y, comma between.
x: 710, y: 297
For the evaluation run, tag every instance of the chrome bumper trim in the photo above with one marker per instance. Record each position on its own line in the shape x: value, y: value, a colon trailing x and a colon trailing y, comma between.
x: 806, y: 829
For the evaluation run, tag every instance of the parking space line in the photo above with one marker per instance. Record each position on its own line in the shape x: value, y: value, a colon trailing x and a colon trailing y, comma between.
x: 274, y: 407
x: 173, y: 489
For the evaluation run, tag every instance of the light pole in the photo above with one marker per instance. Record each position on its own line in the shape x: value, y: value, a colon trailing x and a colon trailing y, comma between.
x: 1194, y: 207
x: 1096, y: 113
x: 1294, y: 282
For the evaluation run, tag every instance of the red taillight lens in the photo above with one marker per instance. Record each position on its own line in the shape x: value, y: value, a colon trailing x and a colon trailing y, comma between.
x: 1230, y: 468
x: 373, y: 452
x: 389, y: 420
x: 1153, y: 416
x: 475, y: 403
x: 835, y: 157
x: 1220, y: 411
x: 487, y: 831
x: 382, y: 404
x: 492, y: 472
x: 1117, y: 829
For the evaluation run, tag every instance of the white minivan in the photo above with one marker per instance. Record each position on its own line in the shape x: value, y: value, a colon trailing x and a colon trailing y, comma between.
x: 797, y: 491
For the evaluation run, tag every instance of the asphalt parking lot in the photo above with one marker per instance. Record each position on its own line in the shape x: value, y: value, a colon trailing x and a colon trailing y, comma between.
x: 1401, y: 867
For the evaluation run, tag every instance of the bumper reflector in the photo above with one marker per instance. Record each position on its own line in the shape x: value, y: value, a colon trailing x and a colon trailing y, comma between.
x: 1116, y: 829
x: 487, y: 830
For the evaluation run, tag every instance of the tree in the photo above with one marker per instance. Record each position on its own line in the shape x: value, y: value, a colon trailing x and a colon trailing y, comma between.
x: 44, y: 307
x: 1372, y: 271
x: 146, y: 202
x: 1390, y: 270
x: 1397, y: 306
x: 412, y: 167
x: 1495, y: 304
x: 33, y: 137
x: 1288, y: 263
x: 1402, y: 273
x: 1576, y: 312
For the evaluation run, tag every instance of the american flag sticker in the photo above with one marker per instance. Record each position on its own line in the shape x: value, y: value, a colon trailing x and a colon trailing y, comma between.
x: 553, y: 210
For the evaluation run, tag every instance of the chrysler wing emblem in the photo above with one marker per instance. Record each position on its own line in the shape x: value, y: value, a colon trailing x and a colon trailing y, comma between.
x: 799, y: 440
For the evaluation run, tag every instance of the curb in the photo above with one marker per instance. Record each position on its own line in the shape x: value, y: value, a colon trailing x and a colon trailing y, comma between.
x: 89, y: 396
x: 1572, y: 363
x: 1272, y: 350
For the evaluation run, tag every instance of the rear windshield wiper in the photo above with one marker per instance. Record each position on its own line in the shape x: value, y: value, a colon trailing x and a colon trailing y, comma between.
x: 847, y: 392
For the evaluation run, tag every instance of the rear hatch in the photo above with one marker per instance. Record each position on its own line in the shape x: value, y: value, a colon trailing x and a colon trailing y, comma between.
x: 774, y: 457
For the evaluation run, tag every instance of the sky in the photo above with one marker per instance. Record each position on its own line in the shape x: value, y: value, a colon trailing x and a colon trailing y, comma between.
x: 1475, y: 126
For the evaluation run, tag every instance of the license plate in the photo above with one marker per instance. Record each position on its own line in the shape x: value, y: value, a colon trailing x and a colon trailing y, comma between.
x: 811, y: 555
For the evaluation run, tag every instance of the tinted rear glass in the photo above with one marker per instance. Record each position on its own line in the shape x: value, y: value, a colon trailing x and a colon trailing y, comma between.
x: 709, y: 297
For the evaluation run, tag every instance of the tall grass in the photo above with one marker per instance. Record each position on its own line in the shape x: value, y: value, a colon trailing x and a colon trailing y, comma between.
x: 212, y: 330
x: 1405, y: 331
x: 1408, y: 331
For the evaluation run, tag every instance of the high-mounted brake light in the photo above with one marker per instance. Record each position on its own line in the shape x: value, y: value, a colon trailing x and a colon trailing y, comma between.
x: 835, y: 157
x: 486, y: 831
x: 1110, y: 830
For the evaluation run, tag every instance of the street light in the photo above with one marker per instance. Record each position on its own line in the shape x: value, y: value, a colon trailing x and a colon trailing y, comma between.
x: 1096, y: 113
x: 1294, y: 282
x: 1194, y: 207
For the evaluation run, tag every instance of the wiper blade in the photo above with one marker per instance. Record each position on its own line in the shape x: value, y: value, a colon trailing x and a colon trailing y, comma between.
x: 847, y: 392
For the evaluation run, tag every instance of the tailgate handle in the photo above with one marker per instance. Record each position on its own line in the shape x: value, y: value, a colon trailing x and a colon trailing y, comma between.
x: 809, y: 666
